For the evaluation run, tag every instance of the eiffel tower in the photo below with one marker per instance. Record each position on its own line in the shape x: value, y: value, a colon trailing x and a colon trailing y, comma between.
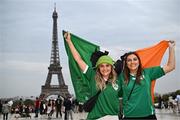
x: 54, y: 68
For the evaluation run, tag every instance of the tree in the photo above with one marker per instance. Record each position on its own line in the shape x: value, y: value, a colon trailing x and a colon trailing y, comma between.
x: 29, y: 102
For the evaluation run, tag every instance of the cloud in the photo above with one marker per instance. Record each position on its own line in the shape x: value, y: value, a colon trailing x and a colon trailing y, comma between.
x: 23, y: 66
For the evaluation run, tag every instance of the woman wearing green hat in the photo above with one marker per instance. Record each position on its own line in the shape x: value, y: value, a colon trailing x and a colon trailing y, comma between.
x: 104, y: 78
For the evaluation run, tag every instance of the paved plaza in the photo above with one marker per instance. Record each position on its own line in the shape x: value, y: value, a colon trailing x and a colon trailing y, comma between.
x: 161, y: 115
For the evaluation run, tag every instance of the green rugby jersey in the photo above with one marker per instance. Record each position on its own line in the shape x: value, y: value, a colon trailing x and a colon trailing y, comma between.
x: 140, y: 102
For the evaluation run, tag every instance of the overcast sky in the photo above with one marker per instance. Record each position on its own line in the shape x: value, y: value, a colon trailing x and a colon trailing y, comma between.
x: 115, y: 25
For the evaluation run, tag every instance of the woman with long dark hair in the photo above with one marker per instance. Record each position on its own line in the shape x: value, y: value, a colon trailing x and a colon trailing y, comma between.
x: 136, y: 84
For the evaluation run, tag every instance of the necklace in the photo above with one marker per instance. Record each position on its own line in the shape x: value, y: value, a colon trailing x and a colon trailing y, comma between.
x: 132, y: 74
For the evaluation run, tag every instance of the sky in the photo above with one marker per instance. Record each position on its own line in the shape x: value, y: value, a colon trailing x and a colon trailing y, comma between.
x: 116, y: 25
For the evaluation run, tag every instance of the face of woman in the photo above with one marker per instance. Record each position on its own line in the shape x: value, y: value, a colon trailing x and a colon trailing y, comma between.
x: 132, y: 63
x: 105, y: 70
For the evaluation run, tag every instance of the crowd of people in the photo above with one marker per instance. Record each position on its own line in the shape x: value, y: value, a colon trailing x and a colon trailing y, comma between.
x: 173, y: 103
x: 69, y: 106
x: 50, y: 108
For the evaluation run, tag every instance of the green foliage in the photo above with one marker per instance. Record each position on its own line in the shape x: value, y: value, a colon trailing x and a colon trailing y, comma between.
x: 177, y: 92
x: 15, y: 103
x: 165, y: 97
x: 29, y: 102
x: 26, y: 102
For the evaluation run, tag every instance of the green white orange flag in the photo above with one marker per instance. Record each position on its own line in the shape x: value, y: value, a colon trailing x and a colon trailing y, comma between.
x: 150, y: 56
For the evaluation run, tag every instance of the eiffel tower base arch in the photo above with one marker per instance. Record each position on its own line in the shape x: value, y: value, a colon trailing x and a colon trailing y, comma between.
x: 61, y: 90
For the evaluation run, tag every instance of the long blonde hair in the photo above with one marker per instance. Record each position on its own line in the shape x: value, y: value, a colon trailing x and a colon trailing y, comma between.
x: 100, y: 82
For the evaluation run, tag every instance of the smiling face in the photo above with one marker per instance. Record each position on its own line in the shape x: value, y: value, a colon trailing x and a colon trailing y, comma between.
x: 132, y: 62
x: 105, y: 70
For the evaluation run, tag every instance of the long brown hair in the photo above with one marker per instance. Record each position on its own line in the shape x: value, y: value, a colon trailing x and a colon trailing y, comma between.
x: 100, y: 82
x: 127, y: 71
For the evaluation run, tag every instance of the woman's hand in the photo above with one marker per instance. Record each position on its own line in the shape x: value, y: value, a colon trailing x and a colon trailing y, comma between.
x: 171, y: 43
x: 171, y: 60
x: 67, y: 36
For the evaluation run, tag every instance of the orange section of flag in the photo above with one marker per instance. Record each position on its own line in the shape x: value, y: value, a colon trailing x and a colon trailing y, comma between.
x: 152, y: 56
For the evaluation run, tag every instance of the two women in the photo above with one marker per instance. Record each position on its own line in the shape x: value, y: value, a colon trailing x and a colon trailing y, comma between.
x: 134, y: 83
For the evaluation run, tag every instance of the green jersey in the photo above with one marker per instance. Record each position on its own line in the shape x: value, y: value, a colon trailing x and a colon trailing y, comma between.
x: 140, y: 102
x: 108, y: 100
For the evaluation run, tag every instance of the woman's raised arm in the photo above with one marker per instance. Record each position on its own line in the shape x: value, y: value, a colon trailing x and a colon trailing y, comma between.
x: 74, y: 52
x: 171, y: 60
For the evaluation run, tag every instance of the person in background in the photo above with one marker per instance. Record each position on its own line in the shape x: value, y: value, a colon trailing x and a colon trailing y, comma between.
x: 41, y: 108
x: 27, y: 111
x: 103, y: 79
x: 76, y: 105
x: 136, y: 82
x: 5, y: 110
x: 21, y: 104
x: 52, y: 109
x: 178, y: 102
x: 68, y: 108
x: 160, y: 102
x: 49, y: 108
x: 58, y: 104
x: 37, y: 105
x: 0, y: 107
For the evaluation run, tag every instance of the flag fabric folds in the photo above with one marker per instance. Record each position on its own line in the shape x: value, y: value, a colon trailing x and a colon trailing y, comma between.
x: 150, y: 56
x: 79, y: 80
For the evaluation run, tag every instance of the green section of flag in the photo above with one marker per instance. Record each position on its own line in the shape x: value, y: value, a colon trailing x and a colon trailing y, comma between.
x: 79, y: 80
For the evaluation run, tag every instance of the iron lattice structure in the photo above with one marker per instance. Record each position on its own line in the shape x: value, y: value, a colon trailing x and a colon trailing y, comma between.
x: 55, y: 67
